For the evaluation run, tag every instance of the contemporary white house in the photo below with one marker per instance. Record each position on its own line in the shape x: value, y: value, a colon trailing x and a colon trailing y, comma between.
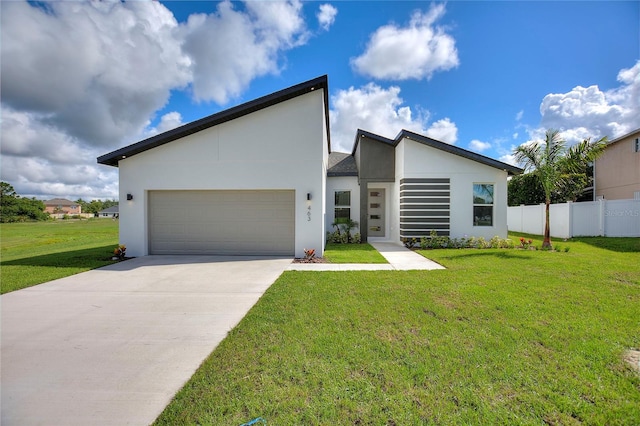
x: 412, y: 185
x: 260, y: 179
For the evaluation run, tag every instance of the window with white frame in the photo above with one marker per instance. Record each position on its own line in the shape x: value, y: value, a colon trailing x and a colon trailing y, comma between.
x: 483, y: 204
x: 342, y: 210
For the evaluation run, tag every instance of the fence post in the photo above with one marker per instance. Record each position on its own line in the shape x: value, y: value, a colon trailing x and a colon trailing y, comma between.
x: 570, y: 219
x: 601, y: 211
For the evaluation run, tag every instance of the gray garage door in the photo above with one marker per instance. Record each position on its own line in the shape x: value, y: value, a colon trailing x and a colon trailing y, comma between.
x: 222, y: 222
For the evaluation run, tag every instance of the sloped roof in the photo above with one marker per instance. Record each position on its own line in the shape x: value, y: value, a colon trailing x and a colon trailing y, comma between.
x: 60, y: 202
x: 342, y: 164
x: 112, y: 158
x: 623, y: 137
x: 112, y: 209
x: 452, y: 149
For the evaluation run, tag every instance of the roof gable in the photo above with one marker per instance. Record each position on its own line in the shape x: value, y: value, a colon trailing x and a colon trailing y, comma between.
x: 425, y: 140
x: 452, y: 149
x: 112, y: 158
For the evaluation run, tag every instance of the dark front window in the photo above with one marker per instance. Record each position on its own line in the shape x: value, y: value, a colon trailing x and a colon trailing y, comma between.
x: 482, y: 204
x: 343, y: 198
x: 342, y: 211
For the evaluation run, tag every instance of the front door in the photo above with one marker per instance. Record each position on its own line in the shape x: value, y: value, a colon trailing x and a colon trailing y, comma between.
x: 376, y: 212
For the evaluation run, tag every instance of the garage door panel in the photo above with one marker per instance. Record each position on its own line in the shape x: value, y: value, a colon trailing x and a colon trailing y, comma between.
x: 221, y: 222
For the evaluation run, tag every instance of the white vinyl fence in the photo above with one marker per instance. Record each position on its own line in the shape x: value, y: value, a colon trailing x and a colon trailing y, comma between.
x: 610, y: 218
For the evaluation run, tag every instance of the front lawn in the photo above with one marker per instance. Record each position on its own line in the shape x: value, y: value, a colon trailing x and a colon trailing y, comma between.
x: 352, y: 253
x: 499, y: 337
x: 36, y: 252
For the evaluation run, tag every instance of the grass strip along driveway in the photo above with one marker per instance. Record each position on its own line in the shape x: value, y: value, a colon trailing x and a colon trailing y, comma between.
x: 499, y: 337
x: 352, y: 253
x: 37, y: 252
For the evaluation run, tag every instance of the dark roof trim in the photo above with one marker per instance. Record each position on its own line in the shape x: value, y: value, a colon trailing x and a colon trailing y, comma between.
x: 363, y: 133
x: 512, y: 170
x: 112, y: 158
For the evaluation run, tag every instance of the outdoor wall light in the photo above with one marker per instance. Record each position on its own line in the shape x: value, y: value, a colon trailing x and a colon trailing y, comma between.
x: 308, y: 196
x: 129, y: 197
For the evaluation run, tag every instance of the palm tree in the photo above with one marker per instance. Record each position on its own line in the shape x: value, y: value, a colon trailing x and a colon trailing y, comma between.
x: 552, y: 163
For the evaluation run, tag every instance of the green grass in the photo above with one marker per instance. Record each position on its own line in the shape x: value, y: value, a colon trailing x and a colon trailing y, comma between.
x: 36, y: 252
x: 500, y: 337
x: 352, y: 253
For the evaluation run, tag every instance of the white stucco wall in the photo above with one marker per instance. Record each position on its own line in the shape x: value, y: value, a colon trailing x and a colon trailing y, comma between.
x: 416, y: 160
x: 280, y: 147
x: 342, y: 183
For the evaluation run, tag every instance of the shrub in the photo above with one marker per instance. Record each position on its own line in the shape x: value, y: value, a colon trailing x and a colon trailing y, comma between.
x: 120, y: 251
x: 410, y: 242
x: 435, y: 242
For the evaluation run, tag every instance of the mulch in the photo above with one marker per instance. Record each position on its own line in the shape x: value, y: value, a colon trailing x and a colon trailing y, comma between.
x: 312, y: 260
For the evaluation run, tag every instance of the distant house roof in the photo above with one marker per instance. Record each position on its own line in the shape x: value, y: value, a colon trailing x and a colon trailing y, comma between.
x: 425, y: 140
x: 112, y: 158
x: 342, y: 164
x: 60, y: 202
x: 109, y: 210
x: 611, y: 142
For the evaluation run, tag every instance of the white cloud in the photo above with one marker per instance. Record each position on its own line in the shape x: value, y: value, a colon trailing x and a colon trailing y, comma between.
x: 443, y: 130
x: 94, y: 70
x: 169, y: 121
x: 590, y: 112
x: 478, y: 145
x: 509, y: 159
x: 82, y: 78
x: 412, y: 52
x: 230, y: 48
x: 380, y: 111
x: 519, y: 115
x: 326, y: 15
x: 41, y: 161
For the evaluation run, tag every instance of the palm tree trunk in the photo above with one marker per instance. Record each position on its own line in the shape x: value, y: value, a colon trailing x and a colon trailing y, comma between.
x: 547, y: 240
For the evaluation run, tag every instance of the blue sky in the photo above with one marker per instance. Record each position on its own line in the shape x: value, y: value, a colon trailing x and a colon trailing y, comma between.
x: 82, y: 79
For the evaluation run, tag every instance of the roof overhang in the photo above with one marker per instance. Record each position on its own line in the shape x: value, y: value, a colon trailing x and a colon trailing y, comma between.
x: 112, y: 158
x: 425, y: 140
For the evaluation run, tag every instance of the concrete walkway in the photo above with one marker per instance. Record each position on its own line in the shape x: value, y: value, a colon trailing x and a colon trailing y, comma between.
x: 113, y: 345
x: 399, y: 257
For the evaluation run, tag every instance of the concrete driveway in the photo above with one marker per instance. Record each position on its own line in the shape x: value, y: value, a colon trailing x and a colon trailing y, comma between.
x: 113, y: 345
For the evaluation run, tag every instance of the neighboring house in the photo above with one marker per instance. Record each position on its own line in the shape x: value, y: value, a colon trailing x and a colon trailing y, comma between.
x: 111, y: 212
x: 260, y: 178
x: 412, y: 185
x: 62, y: 206
x: 617, y: 171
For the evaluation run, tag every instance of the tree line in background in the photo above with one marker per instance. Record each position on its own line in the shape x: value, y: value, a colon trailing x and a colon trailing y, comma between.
x: 14, y: 208
x: 95, y: 206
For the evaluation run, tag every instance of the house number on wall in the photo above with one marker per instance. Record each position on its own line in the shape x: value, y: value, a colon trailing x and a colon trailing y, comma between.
x: 308, y: 213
